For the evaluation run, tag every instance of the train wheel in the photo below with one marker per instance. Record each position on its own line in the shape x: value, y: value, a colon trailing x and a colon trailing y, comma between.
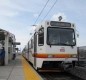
x: 73, y: 64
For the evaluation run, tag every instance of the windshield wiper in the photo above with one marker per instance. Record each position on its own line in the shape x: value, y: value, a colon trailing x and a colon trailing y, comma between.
x: 66, y: 44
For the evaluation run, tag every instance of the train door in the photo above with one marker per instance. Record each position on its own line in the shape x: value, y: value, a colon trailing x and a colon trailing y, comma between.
x: 35, y: 48
x: 28, y: 50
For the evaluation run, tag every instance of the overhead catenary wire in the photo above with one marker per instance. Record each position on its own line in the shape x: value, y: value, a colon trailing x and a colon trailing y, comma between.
x: 41, y: 11
x: 49, y: 11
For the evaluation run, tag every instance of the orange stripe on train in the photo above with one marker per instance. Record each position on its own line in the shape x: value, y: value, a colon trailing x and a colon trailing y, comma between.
x: 53, y: 55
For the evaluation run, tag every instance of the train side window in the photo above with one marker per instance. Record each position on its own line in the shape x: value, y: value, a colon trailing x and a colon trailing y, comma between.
x: 31, y: 43
x: 41, y: 37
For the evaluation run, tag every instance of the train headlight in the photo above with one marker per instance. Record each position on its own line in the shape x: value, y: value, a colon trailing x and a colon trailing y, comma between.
x: 74, y: 56
x: 50, y: 56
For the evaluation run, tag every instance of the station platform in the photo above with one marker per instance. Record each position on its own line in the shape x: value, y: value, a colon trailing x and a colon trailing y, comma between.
x: 18, y: 69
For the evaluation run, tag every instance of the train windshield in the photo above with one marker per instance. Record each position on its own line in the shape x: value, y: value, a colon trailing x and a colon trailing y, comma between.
x: 60, y: 36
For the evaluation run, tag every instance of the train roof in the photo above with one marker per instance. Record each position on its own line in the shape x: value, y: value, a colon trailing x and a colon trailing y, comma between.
x: 52, y: 23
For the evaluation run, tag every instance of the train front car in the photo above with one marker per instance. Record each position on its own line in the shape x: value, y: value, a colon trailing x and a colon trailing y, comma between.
x: 55, y: 45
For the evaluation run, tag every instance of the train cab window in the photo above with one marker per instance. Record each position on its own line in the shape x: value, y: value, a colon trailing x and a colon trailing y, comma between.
x: 41, y: 37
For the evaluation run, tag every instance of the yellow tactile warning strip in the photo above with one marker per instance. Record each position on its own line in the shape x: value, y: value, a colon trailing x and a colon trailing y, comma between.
x: 29, y: 72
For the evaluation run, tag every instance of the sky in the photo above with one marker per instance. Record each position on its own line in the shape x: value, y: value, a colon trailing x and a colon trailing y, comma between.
x: 18, y: 16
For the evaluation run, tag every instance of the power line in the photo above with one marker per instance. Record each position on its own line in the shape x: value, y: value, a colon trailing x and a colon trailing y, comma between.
x: 41, y: 12
x: 49, y: 11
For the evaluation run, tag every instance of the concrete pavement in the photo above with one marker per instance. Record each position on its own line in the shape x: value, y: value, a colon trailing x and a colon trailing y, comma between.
x: 13, y: 71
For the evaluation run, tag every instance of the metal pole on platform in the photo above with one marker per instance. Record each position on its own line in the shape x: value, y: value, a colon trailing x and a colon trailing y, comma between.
x: 6, y: 48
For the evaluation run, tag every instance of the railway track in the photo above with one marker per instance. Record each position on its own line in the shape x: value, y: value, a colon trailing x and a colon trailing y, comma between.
x: 58, y: 76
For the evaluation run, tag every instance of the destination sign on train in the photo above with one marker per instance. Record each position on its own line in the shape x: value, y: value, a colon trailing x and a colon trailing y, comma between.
x: 62, y: 24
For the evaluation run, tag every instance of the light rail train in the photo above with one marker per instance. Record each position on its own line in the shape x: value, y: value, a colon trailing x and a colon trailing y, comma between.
x: 52, y: 45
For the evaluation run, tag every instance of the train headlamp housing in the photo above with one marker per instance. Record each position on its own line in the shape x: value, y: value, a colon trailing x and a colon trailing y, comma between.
x: 74, y: 55
x: 50, y: 56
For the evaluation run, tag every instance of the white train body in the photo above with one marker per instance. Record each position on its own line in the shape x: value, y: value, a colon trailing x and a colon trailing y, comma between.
x: 53, y: 43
